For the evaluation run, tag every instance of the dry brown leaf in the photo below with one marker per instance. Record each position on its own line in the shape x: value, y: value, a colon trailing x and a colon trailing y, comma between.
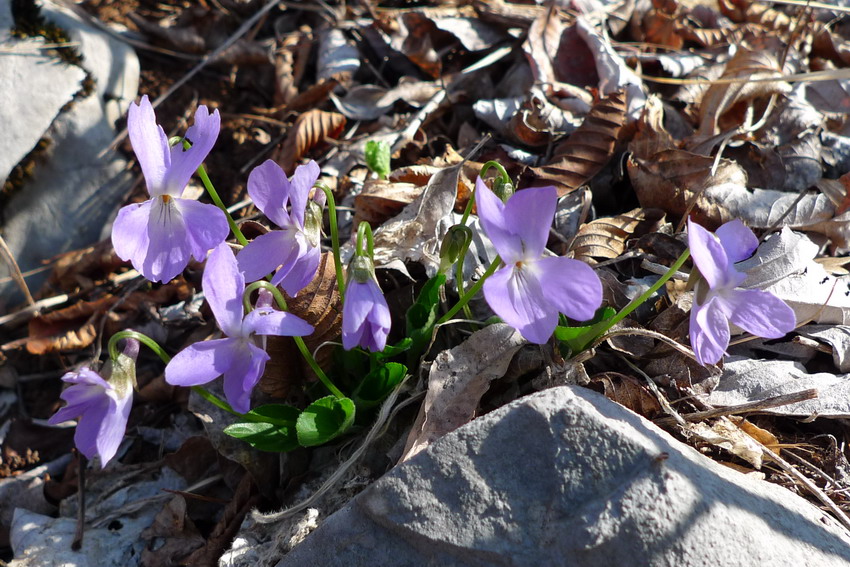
x: 721, y: 98
x: 724, y: 434
x: 628, y: 391
x: 670, y: 179
x: 71, y: 328
x: 290, y: 62
x: 381, y: 200
x: 606, y: 237
x: 457, y: 380
x: 763, y: 436
x: 662, y: 24
x: 319, y: 305
x: 310, y: 129
x: 176, y: 531
x: 244, y: 499
x: 588, y: 149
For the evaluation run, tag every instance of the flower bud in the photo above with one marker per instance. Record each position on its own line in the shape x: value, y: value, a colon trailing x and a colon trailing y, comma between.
x: 313, y: 223
x: 454, y: 244
x: 122, y: 371
x: 361, y: 269
x: 503, y: 189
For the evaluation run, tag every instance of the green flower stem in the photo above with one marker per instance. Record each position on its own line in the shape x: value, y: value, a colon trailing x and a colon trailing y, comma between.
x: 502, y: 172
x: 144, y: 339
x: 160, y: 352
x: 299, y: 342
x: 215, y: 400
x: 340, y: 279
x: 467, y: 312
x: 365, y: 231
x: 600, y: 328
x: 470, y: 293
x: 205, y: 179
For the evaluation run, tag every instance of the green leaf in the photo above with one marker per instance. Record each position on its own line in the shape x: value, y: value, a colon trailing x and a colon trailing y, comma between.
x: 422, y: 315
x: 277, y: 414
x: 378, y: 384
x: 323, y: 420
x: 268, y: 428
x: 577, y: 338
x: 265, y: 436
x: 392, y: 350
x: 378, y: 157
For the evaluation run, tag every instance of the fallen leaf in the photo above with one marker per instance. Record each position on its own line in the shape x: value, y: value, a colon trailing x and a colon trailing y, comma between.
x: 588, y: 149
x: 606, y: 237
x: 457, y: 380
x: 310, y: 129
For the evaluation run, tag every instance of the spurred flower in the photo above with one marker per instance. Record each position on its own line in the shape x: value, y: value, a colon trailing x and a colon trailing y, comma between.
x: 365, y: 313
x: 294, y: 249
x: 159, y: 235
x: 716, y: 299
x: 531, y: 289
x: 102, y: 409
x: 237, y: 357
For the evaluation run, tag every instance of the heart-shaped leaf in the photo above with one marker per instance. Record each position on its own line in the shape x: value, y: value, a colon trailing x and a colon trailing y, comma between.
x: 323, y: 420
x: 268, y: 428
x: 378, y: 384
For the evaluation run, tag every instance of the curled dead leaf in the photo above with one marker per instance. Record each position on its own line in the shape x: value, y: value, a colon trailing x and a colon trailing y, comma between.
x: 310, y: 129
x: 606, y: 237
x: 381, y: 200
x: 628, y: 391
x: 588, y: 149
x: 319, y: 305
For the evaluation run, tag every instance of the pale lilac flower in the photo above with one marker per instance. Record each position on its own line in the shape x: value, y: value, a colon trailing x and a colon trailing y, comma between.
x: 716, y: 299
x: 294, y: 249
x: 159, y: 235
x: 237, y: 357
x: 102, y: 409
x: 531, y: 289
x: 365, y: 313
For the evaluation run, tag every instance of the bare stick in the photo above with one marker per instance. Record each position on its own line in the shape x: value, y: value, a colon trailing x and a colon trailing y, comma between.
x: 772, y: 402
x: 16, y: 270
x: 81, y: 499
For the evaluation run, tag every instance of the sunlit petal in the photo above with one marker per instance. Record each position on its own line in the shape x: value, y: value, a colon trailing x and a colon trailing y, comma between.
x: 516, y: 295
x: 223, y: 288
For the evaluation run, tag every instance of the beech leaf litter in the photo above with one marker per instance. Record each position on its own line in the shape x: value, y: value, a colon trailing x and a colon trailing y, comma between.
x: 641, y: 115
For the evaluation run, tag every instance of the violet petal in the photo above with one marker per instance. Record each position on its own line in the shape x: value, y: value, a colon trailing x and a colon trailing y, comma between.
x: 709, y: 332
x: 206, y: 226
x: 150, y: 144
x: 201, y: 363
x: 269, y: 188
x: 224, y: 285
x: 517, y: 297
x: 738, y: 241
x: 758, y: 312
x: 202, y: 134
x: 267, y: 253
x: 571, y: 286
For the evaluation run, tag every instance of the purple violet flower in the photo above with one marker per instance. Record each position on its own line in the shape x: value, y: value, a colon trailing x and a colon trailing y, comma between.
x: 102, y: 408
x: 159, y: 235
x: 236, y: 357
x: 758, y: 312
x: 365, y: 313
x: 294, y: 249
x: 531, y: 289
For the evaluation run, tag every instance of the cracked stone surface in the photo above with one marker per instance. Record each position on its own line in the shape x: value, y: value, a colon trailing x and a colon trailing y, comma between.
x: 567, y: 477
x: 78, y: 185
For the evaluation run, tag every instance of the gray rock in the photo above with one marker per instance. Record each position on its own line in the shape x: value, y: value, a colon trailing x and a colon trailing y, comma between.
x: 36, y: 85
x: 75, y: 192
x: 566, y: 477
